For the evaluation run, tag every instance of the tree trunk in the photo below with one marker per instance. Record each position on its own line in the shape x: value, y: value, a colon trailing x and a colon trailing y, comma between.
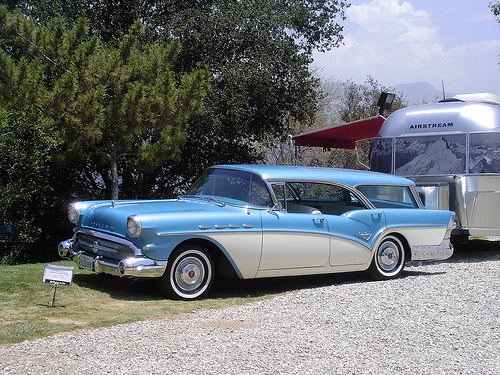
x: 113, y: 166
x: 114, y: 178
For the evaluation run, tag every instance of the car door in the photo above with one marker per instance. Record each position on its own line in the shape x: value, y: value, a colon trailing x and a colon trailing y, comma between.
x: 353, y: 224
x: 353, y: 234
x: 292, y: 240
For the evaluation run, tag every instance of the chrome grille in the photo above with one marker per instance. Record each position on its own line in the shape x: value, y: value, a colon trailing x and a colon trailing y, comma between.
x: 104, y: 247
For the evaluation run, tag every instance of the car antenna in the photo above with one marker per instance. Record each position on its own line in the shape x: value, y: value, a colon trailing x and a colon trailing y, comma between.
x: 444, y: 94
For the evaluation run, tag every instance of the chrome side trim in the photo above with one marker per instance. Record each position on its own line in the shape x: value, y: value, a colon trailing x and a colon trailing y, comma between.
x: 207, y: 229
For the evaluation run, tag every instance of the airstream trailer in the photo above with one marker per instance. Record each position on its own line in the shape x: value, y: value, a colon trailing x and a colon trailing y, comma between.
x: 451, y: 150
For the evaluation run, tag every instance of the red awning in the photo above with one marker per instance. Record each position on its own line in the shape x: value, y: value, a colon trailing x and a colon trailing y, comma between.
x: 342, y: 136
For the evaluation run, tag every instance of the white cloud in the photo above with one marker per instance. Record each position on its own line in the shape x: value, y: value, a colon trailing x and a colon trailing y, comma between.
x: 474, y: 66
x: 389, y: 19
x: 395, y: 43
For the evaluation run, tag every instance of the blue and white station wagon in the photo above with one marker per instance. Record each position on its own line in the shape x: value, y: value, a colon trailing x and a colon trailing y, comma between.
x: 256, y: 221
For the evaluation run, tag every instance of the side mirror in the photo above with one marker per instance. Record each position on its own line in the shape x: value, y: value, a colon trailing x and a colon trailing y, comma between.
x: 276, y: 207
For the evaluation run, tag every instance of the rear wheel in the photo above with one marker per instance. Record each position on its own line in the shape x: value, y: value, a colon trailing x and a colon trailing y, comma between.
x: 388, y: 260
x: 189, y: 274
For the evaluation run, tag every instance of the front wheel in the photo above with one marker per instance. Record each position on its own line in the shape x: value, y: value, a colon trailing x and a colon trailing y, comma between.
x: 189, y: 274
x: 388, y: 260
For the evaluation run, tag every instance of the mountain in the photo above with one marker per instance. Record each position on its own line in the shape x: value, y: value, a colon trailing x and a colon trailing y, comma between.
x: 419, y: 93
x: 434, y: 158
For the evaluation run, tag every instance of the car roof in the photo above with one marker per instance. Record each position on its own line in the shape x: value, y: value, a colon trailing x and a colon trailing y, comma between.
x: 350, y: 177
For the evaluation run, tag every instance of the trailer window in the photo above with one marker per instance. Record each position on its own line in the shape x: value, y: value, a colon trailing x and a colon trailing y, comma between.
x: 484, y: 156
x: 381, y: 155
x: 430, y: 155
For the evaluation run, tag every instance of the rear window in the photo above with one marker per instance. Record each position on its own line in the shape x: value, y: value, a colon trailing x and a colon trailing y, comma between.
x: 389, y: 196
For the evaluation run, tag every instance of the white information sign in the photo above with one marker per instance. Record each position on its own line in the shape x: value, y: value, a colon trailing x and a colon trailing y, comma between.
x: 58, y: 275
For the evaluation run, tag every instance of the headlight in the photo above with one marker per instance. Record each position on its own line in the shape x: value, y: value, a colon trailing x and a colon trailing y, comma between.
x: 134, y: 226
x: 74, y: 213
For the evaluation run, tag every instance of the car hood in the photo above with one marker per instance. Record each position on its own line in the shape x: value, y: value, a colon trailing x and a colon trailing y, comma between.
x: 111, y: 216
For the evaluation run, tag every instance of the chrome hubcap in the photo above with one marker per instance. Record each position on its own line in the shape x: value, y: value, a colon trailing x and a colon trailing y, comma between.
x: 189, y: 274
x: 388, y: 256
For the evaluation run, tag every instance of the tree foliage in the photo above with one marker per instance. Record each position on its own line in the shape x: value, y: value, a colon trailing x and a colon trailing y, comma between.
x: 114, y: 102
x: 257, y: 51
x: 495, y: 9
x: 25, y: 144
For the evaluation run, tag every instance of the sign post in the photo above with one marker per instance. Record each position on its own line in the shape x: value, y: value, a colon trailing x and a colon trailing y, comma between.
x: 57, y: 275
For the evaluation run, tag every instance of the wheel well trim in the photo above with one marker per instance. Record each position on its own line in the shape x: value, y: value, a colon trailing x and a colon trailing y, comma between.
x: 216, y: 250
x: 390, y: 232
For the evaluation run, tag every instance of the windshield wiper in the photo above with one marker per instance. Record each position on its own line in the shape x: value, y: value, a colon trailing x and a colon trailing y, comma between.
x: 204, y: 197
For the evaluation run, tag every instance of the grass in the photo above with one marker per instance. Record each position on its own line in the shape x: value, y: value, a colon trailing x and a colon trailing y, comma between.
x: 91, y: 301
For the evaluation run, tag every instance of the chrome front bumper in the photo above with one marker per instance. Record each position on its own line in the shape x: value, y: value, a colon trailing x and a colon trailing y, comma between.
x: 132, y: 267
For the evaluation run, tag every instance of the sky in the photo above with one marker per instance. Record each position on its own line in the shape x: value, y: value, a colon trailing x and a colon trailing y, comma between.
x: 456, y: 42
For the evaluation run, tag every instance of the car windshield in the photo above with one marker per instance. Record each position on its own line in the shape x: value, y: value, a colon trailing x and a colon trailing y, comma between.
x: 232, y: 186
x: 389, y: 196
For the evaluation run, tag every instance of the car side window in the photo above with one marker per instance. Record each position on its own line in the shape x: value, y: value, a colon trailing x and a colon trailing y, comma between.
x: 316, y: 191
x: 280, y: 193
x: 314, y: 198
x: 259, y: 194
x: 284, y: 195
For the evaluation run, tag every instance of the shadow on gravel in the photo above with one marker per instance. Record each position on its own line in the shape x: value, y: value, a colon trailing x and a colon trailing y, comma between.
x: 144, y: 290
x: 417, y: 273
x: 476, y: 251
x: 278, y: 285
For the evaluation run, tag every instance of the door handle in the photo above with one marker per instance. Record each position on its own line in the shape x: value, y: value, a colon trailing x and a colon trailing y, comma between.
x: 318, y: 220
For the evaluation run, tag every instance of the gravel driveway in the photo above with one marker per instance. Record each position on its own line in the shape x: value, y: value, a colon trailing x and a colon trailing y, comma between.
x: 439, y: 318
